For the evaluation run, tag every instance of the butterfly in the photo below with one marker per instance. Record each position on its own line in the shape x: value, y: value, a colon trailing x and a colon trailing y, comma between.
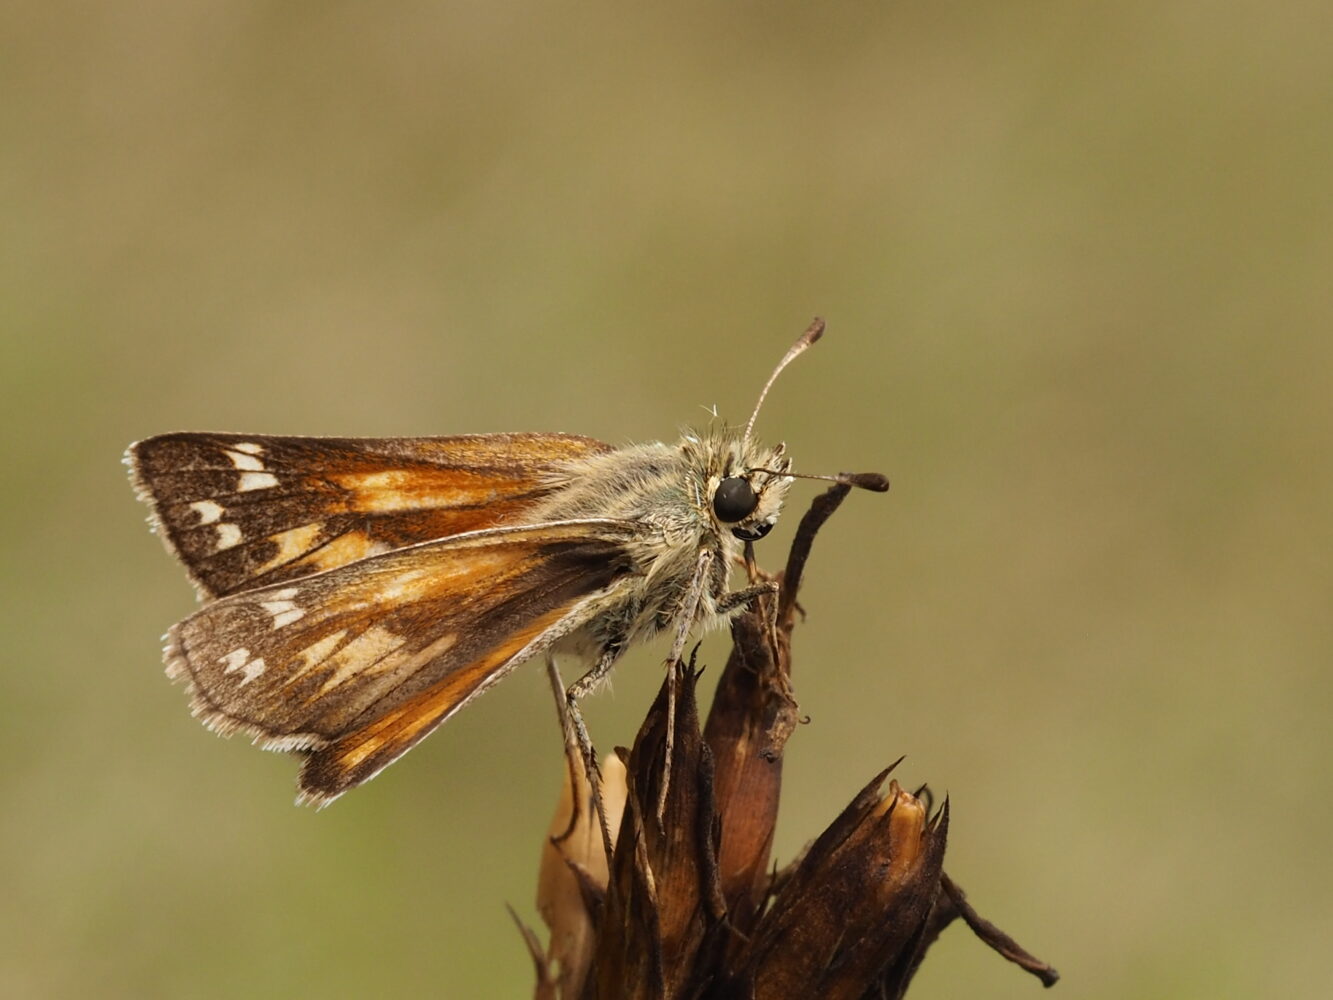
x: 359, y: 591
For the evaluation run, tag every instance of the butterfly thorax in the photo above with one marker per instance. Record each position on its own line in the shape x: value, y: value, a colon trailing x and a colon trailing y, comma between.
x: 669, y: 490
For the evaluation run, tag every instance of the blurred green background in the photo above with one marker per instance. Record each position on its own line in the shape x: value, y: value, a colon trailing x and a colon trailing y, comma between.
x: 1075, y: 260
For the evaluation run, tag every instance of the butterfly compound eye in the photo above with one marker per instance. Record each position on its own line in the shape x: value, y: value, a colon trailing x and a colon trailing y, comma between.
x: 734, y: 500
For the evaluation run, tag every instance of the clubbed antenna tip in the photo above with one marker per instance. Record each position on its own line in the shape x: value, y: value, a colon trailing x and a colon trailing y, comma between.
x: 872, y: 481
x: 812, y: 333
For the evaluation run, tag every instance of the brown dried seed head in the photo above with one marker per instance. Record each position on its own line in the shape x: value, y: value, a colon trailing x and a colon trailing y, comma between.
x: 855, y: 905
x: 751, y: 698
x: 663, y: 909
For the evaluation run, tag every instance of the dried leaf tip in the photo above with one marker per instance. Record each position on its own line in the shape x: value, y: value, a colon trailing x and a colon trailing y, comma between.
x: 572, y: 877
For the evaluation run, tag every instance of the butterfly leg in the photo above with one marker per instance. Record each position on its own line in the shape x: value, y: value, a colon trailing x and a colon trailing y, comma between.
x: 573, y: 761
x: 575, y: 729
x: 580, y: 758
x: 739, y: 598
x: 688, y: 615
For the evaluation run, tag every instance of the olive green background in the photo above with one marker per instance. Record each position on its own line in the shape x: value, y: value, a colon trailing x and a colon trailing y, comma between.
x: 1075, y: 260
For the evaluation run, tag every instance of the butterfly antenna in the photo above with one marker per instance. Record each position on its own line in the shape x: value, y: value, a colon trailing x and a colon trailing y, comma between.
x: 872, y: 481
x: 812, y: 333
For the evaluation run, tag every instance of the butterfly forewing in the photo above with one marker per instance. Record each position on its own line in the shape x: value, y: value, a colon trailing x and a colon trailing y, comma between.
x: 358, y: 663
x: 245, y: 511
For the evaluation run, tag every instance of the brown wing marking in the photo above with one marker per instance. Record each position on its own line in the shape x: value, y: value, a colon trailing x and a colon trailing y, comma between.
x: 244, y: 511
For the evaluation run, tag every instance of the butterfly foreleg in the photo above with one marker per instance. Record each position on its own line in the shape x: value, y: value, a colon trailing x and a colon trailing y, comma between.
x: 728, y: 603
x: 685, y: 621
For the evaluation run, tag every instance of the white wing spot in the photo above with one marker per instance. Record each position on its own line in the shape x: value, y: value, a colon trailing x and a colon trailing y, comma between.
x: 256, y: 481
x: 284, y: 611
x: 249, y: 447
x: 207, y: 510
x: 239, y: 659
x: 252, y: 670
x: 245, y: 462
x: 228, y: 535
x: 235, y: 660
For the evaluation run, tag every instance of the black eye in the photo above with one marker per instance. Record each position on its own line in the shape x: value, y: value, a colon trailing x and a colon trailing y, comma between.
x: 734, y: 500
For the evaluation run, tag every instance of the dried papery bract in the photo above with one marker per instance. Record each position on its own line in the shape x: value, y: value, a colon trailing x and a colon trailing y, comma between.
x: 749, y: 701
x: 854, y: 909
x: 689, y: 909
x: 661, y: 926
x: 572, y: 879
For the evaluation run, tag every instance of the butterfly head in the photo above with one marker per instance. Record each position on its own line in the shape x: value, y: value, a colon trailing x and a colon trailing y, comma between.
x: 747, y: 483
x: 747, y: 492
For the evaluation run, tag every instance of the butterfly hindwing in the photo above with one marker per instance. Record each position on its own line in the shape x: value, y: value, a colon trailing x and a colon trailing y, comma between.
x: 355, y: 665
x: 244, y: 511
